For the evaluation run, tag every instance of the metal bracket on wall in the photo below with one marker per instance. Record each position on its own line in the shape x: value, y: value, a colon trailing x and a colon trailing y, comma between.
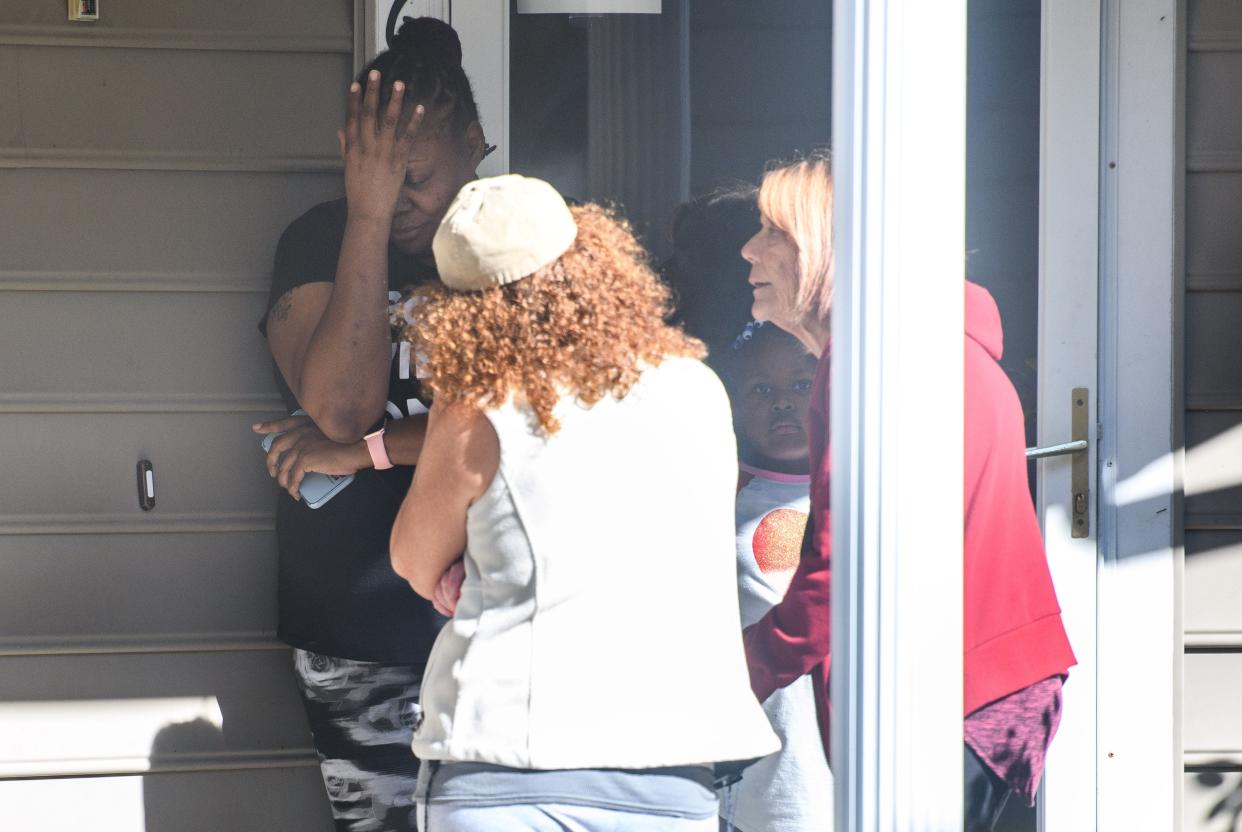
x: 1079, y: 448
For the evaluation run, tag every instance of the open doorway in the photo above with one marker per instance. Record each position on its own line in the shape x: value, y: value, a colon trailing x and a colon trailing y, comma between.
x: 650, y: 111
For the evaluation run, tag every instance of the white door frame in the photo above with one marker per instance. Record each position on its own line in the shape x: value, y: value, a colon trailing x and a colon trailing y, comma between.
x: 897, y: 412
x: 1068, y: 275
x: 1140, y: 635
x: 1108, y: 163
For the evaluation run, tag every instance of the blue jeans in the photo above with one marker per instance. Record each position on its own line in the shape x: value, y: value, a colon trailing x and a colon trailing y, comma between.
x: 549, y: 817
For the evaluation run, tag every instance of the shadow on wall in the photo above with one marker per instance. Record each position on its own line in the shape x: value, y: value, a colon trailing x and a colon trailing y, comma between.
x: 168, y: 804
x: 233, y: 772
x: 1214, y: 801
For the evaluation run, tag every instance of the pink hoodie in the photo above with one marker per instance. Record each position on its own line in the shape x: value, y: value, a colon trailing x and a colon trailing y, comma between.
x: 1013, y: 636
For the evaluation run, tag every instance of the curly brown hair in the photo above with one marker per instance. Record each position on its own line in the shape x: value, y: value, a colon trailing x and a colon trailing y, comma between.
x: 583, y: 325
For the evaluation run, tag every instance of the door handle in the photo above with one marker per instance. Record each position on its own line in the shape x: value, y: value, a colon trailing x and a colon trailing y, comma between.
x: 1080, y: 474
x: 1064, y: 449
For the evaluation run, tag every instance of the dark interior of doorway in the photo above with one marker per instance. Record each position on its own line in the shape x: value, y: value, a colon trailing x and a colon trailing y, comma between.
x: 711, y: 90
x: 1002, y: 176
x: 651, y: 110
x: 1002, y: 202
x: 717, y: 88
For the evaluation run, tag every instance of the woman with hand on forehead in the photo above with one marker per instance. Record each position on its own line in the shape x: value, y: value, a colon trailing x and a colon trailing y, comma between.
x: 411, y: 140
x: 582, y: 458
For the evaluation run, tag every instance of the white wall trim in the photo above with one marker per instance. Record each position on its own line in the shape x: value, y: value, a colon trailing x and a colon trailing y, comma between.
x: 1109, y: 149
x: 897, y: 413
x: 1139, y: 638
x: 1068, y: 302
x: 484, y: 31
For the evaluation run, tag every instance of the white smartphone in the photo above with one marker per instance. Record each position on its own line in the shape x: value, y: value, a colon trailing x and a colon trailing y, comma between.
x: 316, y: 489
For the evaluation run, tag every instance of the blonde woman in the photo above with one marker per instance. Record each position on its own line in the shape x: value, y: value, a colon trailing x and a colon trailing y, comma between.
x: 583, y: 459
x: 791, y: 277
x: 1016, y: 654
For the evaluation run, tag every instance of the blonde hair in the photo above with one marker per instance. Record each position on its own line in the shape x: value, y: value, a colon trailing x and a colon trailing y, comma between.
x: 796, y: 197
x: 584, y: 326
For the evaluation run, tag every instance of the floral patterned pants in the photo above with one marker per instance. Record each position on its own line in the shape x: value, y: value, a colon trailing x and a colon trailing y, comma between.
x: 362, y: 718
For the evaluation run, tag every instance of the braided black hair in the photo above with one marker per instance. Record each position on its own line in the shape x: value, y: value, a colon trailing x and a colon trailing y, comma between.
x: 730, y: 363
x: 425, y: 55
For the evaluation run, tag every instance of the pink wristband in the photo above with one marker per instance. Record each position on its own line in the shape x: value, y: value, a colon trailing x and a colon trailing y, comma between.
x: 379, y: 453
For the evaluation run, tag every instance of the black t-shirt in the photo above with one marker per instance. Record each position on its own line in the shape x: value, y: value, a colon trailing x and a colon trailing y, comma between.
x: 338, y: 594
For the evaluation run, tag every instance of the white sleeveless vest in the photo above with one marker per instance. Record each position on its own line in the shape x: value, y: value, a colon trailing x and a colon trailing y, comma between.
x: 598, y: 624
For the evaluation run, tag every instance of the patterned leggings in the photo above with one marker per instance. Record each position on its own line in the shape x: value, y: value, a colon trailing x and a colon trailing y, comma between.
x: 362, y: 720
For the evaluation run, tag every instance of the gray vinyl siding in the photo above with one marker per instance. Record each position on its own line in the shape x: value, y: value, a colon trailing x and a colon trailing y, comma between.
x: 148, y: 163
x: 1212, y: 381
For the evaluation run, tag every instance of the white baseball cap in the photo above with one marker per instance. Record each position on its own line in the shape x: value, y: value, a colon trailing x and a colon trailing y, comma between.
x: 501, y: 229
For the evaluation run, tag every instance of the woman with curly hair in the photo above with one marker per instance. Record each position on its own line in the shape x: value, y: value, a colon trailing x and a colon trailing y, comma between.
x: 582, y: 458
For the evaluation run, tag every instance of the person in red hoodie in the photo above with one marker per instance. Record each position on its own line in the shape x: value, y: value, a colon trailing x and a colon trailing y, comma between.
x: 1016, y: 653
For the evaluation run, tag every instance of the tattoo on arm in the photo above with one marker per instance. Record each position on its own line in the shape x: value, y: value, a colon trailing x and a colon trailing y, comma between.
x: 280, y: 309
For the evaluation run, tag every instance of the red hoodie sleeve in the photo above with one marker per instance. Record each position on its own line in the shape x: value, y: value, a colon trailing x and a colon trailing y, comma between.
x: 795, y: 636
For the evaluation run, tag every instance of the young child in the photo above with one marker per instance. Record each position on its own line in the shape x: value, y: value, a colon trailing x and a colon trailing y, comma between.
x: 768, y: 374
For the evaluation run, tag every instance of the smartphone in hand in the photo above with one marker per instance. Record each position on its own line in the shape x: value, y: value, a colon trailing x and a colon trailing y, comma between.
x: 316, y: 489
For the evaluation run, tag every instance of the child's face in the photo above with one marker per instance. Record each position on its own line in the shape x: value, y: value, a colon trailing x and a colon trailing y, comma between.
x: 770, y: 399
